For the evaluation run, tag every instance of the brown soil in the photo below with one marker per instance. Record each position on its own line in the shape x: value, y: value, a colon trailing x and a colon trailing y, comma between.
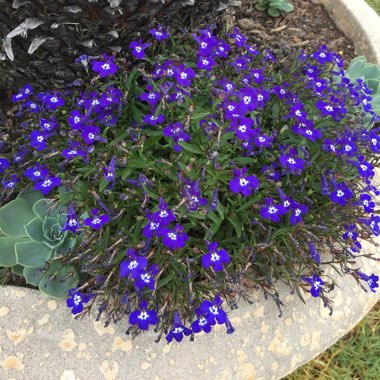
x: 308, y: 27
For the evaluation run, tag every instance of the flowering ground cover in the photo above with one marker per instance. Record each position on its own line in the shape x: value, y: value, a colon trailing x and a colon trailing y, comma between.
x: 167, y: 180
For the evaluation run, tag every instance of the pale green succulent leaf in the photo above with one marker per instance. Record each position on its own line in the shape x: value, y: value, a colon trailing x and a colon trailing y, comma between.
x: 58, y: 280
x: 32, y: 254
x: 33, y: 276
x: 34, y: 230
x: 371, y: 72
x: 31, y: 196
x: 14, y: 215
x: 8, y: 251
x: 18, y: 270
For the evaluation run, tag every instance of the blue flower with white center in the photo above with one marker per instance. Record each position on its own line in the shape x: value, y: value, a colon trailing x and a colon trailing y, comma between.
x: 173, y: 239
x: 36, y: 173
x: 138, y: 48
x: 152, y: 97
x: 48, y: 125
x: 217, y: 258
x: 272, y: 211
x: 38, y: 140
x: 32, y: 106
x: 105, y: 68
x: 238, y: 37
x: 316, y: 284
x: 367, y: 202
x: 11, y: 182
x: 341, y: 194
x: 144, y: 279
x: 134, y: 266
x: 152, y: 119
x: 96, y: 221
x: 75, y: 119
x: 159, y: 33
x: 72, y: 222
x: 47, y: 184
x: 205, y: 63
x: 202, y: 324
x: 109, y: 171
x: 76, y: 300
x: 291, y: 163
x: 297, y: 211
x: 184, y: 75
x: 90, y: 134
x: 143, y: 317
x: 53, y: 101
x: 242, y: 183
x: 164, y: 216
x: 178, y: 330
x: 372, y: 280
x: 212, y: 310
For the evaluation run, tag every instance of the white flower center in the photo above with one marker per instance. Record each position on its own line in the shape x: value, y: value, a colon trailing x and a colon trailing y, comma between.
x: 143, y: 315
x: 243, y: 182
x: 272, y: 210
x: 215, y: 257
x: 172, y: 236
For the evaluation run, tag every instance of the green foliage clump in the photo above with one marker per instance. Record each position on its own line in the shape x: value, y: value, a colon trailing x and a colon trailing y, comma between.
x: 274, y: 7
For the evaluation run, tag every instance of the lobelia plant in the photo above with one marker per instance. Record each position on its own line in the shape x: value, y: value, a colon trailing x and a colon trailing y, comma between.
x: 274, y: 7
x: 32, y: 235
x: 199, y: 174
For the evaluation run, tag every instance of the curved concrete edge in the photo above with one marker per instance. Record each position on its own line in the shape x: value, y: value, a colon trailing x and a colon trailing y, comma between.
x: 358, y: 21
x: 39, y: 338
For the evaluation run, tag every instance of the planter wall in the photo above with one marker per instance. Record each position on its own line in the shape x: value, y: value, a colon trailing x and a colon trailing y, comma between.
x: 39, y: 338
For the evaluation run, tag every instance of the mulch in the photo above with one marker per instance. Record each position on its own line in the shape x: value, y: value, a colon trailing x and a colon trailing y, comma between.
x: 308, y: 27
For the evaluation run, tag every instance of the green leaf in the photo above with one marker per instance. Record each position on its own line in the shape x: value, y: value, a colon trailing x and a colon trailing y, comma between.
x: 355, y: 67
x: 374, y: 85
x: 285, y: 7
x: 189, y: 147
x: 40, y: 208
x: 34, y: 230
x: 7, y: 250
x: 67, y: 245
x: 103, y: 184
x: 273, y: 12
x: 164, y: 281
x: 33, y: 276
x: 18, y: 270
x: 371, y: 72
x: 31, y: 196
x: 58, y: 280
x: 31, y: 254
x: 14, y: 215
x: 236, y: 222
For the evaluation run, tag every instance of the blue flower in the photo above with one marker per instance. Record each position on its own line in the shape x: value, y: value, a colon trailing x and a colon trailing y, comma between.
x: 53, y: 101
x: 217, y: 258
x: 314, y: 254
x: 109, y: 172
x: 371, y: 280
x: 134, y: 266
x: 341, y: 194
x: 160, y: 34
x: 105, y: 68
x: 37, y: 172
x: 138, y: 48
x: 164, y: 216
x: 298, y: 211
x: 143, y: 317
x: 178, y: 329
x: 243, y: 183
x: 76, y: 300
x: 38, y: 140
x: 173, y: 239
x: 272, y: 211
x: 315, y: 282
x: 202, y: 324
x: 212, y: 310
x: 4, y: 164
x: 47, y: 184
x: 96, y: 221
x: 184, y: 75
x: 72, y: 222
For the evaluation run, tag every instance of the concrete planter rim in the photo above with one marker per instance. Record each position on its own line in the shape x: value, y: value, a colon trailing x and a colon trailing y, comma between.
x: 262, y: 347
